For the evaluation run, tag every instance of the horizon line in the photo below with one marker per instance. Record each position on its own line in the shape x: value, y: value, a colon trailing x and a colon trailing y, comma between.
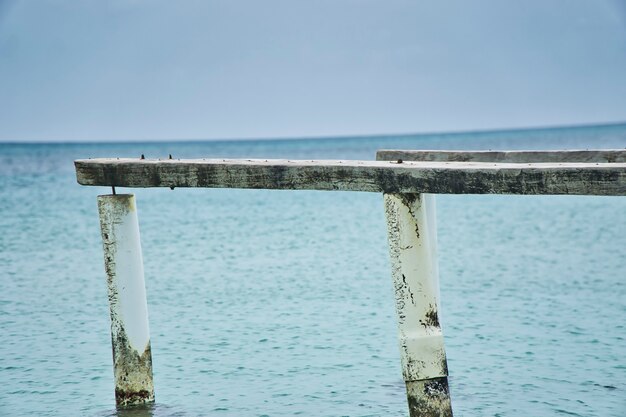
x: 314, y: 137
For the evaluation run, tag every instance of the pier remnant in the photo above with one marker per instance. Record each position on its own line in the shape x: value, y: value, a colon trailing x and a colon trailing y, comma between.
x: 407, y: 179
x: 130, y: 334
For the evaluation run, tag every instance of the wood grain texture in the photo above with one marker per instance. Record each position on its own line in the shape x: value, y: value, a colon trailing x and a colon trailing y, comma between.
x: 371, y: 176
x: 592, y: 156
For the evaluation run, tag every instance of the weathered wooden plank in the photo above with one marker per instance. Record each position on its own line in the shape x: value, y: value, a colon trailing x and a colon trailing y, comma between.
x: 372, y: 176
x: 592, y: 156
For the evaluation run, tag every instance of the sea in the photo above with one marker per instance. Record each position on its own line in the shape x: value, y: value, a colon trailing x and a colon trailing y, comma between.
x: 280, y: 303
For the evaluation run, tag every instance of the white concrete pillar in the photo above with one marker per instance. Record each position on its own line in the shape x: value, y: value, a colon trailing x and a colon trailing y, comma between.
x: 130, y: 335
x: 412, y: 236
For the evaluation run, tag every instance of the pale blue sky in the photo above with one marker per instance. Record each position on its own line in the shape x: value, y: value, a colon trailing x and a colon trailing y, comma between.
x: 135, y: 70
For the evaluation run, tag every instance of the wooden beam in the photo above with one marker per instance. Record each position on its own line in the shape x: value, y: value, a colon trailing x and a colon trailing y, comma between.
x: 592, y: 156
x: 372, y: 176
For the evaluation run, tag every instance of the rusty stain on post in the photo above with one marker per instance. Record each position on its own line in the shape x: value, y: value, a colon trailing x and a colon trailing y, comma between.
x: 130, y: 335
x: 412, y: 243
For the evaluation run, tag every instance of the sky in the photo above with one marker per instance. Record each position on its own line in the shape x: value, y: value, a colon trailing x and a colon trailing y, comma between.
x: 91, y: 70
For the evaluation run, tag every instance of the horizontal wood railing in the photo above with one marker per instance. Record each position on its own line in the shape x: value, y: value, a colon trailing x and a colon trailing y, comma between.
x: 599, y: 156
x: 398, y: 176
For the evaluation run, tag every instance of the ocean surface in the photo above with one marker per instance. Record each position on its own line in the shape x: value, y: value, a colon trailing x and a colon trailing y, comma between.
x: 280, y: 303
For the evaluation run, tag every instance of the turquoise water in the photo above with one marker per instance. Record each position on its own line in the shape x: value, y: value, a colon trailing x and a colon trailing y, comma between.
x: 279, y: 303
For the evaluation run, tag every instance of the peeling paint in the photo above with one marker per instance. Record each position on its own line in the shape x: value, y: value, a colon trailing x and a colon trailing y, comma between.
x: 431, y: 319
x: 429, y: 398
x: 410, y: 201
x: 133, y: 371
x: 443, y: 362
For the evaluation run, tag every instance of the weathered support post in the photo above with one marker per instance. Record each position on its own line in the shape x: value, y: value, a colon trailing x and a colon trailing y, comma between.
x: 412, y: 240
x: 130, y: 335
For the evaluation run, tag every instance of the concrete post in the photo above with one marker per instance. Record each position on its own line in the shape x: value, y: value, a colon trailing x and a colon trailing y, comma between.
x: 130, y: 335
x: 412, y: 236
